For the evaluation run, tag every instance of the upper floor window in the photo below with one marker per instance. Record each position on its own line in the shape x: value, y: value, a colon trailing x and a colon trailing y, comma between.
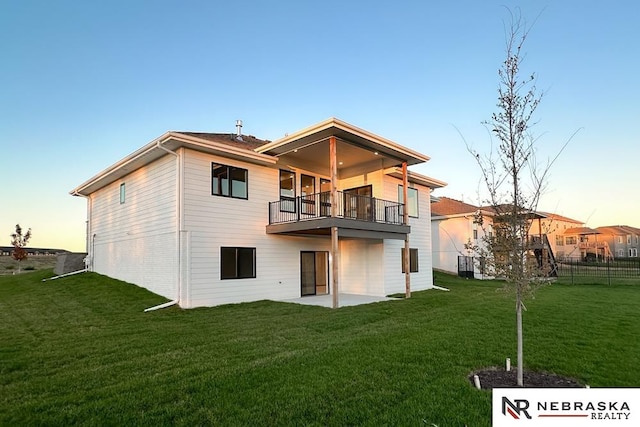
x: 412, y: 200
x: 628, y: 239
x: 229, y: 181
x: 123, y: 193
x: 559, y: 241
x: 475, y: 234
x: 570, y: 240
x: 620, y: 239
x: 287, y: 191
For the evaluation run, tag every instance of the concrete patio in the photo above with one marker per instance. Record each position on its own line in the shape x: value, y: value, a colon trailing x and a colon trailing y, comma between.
x: 344, y: 300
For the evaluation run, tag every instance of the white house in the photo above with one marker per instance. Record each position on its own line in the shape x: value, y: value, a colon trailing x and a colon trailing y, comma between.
x: 209, y: 218
x: 454, y: 231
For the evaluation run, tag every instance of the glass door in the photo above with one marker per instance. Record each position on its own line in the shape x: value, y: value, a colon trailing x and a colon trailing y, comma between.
x: 314, y: 273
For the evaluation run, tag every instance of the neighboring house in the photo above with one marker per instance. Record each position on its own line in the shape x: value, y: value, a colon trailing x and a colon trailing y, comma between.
x: 623, y: 240
x: 454, y: 229
x: 207, y: 219
x: 581, y: 243
x: 554, y: 226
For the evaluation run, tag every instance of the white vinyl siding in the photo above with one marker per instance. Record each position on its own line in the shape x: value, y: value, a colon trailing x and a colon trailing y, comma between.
x: 215, y: 222
x: 420, y: 238
x: 135, y: 241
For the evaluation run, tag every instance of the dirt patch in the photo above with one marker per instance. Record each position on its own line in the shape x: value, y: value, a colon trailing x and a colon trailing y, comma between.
x: 497, y: 377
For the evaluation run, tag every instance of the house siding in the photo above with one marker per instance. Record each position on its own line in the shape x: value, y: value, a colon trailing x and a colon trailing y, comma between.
x: 214, y: 222
x: 420, y: 238
x: 136, y: 241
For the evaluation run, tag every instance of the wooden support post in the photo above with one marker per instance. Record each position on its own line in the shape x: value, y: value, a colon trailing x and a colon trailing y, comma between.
x: 405, y: 220
x: 334, y: 213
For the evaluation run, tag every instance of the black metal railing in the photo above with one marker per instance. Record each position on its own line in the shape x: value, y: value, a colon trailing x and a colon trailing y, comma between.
x: 604, y: 268
x: 350, y: 206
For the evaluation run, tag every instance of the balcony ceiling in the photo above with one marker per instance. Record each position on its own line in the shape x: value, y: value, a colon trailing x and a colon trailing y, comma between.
x: 356, y: 148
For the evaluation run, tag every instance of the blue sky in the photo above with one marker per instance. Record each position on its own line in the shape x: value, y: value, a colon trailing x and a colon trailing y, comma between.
x: 86, y: 83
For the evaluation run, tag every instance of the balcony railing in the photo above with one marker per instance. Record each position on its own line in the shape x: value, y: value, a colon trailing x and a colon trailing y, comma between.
x: 350, y: 206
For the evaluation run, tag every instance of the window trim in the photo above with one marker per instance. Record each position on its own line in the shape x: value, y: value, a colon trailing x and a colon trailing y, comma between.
x: 229, y: 173
x: 237, y: 252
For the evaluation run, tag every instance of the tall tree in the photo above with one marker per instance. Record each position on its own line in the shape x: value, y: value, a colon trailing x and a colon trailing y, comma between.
x: 514, y: 180
x: 19, y: 241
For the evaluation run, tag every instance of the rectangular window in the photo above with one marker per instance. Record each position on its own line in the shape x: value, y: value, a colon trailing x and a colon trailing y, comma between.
x: 559, y: 241
x: 229, y: 181
x: 287, y: 191
x: 413, y: 260
x: 620, y: 252
x: 475, y: 234
x: 123, y: 193
x: 629, y: 240
x: 412, y: 200
x: 237, y: 263
x: 307, y: 191
x: 620, y: 239
x: 634, y: 252
x: 325, y: 197
x: 571, y: 240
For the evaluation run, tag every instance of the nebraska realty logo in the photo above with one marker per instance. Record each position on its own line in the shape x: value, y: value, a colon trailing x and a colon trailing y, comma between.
x: 566, y: 407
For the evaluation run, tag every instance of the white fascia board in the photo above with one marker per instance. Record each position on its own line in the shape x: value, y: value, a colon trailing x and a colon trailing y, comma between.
x: 346, y: 127
x: 416, y: 178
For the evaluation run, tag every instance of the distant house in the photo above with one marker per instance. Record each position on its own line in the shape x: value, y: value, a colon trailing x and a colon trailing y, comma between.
x: 580, y: 243
x: 215, y: 218
x: 454, y: 230
x: 623, y: 240
x: 554, y: 227
x: 8, y: 251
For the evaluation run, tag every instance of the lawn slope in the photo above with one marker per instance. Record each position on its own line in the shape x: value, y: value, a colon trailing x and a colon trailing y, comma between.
x: 80, y: 350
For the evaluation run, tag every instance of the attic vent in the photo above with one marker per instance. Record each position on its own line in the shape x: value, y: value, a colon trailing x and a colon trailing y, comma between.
x: 239, y: 130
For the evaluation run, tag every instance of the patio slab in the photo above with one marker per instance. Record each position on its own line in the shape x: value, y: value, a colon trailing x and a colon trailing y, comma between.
x: 344, y: 300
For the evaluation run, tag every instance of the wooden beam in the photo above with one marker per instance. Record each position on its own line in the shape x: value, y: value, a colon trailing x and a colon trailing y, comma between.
x: 405, y: 220
x: 333, y: 163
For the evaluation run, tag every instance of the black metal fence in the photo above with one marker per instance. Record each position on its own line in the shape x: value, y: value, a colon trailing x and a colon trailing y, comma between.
x: 606, y: 269
x: 351, y: 206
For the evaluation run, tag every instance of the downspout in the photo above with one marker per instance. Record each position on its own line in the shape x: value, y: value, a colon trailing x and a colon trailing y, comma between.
x: 178, y: 228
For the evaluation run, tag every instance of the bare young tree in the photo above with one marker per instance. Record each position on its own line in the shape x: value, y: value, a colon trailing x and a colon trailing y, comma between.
x: 19, y: 241
x: 514, y: 180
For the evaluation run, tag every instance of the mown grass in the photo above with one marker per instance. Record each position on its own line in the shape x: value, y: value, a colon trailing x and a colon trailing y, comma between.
x: 80, y: 350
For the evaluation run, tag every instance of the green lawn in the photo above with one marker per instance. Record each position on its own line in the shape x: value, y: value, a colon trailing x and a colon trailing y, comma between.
x: 80, y: 350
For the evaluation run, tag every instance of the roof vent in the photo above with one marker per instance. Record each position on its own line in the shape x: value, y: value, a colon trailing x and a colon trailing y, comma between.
x: 239, y: 130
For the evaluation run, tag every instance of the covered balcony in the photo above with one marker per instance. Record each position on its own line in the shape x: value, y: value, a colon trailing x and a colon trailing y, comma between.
x: 355, y: 215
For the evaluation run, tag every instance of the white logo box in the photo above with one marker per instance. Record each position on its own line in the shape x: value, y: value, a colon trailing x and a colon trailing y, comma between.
x: 566, y: 407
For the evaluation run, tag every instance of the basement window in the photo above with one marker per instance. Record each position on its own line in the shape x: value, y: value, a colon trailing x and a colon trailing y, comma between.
x: 237, y: 263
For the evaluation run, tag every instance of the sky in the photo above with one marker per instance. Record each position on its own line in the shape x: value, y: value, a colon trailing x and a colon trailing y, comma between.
x: 83, y: 84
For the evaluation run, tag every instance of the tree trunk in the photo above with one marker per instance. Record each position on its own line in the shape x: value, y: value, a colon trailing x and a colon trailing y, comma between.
x: 519, y: 328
